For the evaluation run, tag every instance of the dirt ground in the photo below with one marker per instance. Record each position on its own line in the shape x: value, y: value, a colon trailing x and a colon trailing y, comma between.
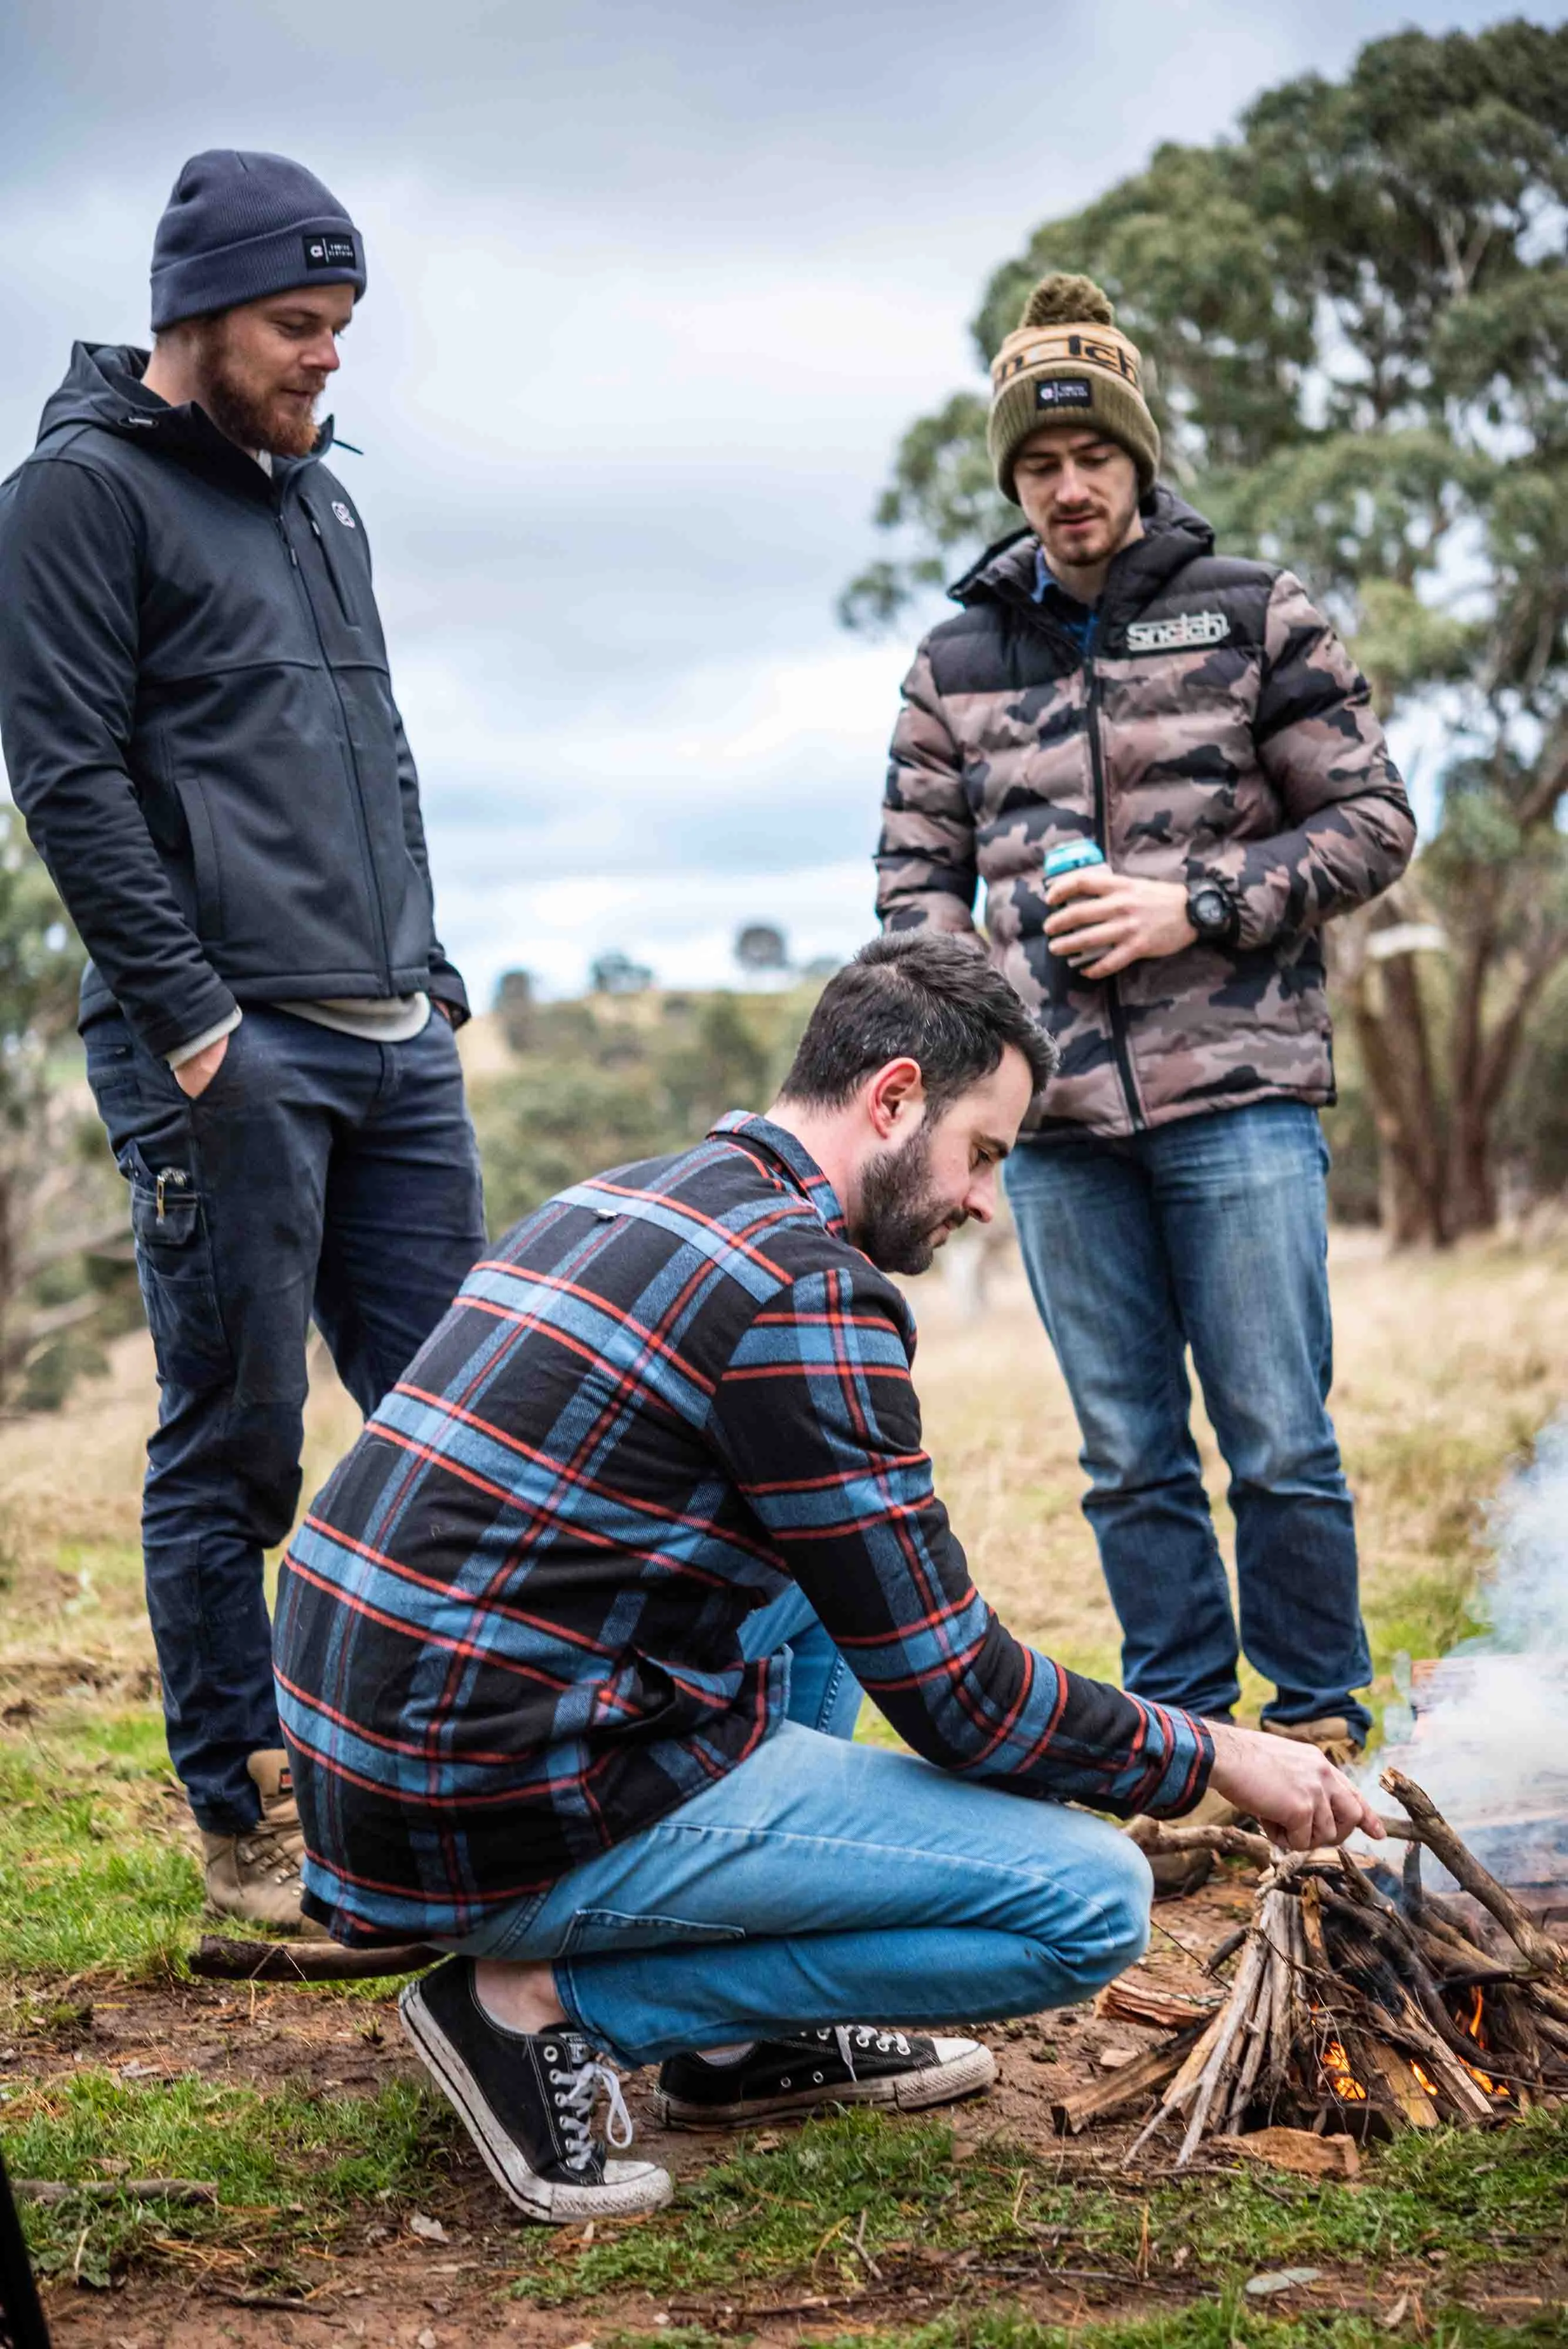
x: 1448, y: 1368
x: 391, y: 2287
x: 402, y: 2289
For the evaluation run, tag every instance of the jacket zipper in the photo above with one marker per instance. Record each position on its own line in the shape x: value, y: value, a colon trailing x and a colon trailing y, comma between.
x: 1119, y: 1044
x: 373, y: 884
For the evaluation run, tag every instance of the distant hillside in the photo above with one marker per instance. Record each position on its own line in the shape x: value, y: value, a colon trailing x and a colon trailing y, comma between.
x: 562, y: 1089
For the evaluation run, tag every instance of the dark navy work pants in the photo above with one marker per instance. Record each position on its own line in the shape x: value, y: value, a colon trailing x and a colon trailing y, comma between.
x: 317, y: 1175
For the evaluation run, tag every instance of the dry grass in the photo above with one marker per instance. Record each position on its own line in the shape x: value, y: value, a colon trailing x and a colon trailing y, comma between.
x: 1448, y: 1368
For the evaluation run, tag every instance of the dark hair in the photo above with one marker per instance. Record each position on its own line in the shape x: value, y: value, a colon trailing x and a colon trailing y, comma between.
x: 926, y: 995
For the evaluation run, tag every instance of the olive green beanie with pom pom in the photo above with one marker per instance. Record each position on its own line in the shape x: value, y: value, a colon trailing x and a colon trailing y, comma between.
x: 1068, y: 363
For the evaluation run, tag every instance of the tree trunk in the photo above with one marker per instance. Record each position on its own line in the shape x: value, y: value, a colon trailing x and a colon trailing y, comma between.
x: 1391, y: 1028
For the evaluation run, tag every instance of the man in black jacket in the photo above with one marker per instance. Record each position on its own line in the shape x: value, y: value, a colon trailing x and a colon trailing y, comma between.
x: 199, y: 727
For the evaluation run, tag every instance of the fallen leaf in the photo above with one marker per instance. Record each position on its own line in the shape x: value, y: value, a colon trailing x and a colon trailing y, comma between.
x: 428, y: 2230
x: 1297, y: 2149
x: 766, y: 2141
x: 426, y: 2339
x: 1280, y: 2280
x: 1396, y: 2315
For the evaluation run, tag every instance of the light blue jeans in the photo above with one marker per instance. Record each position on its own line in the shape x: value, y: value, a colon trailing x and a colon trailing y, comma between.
x: 1210, y: 1233
x: 822, y: 1881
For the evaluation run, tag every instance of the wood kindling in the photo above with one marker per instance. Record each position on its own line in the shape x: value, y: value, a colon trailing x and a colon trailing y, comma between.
x: 1358, y: 2003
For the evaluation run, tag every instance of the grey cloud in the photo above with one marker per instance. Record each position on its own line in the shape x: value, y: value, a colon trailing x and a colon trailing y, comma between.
x: 654, y: 287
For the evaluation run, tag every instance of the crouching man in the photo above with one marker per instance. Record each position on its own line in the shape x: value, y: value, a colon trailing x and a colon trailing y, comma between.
x: 570, y: 1649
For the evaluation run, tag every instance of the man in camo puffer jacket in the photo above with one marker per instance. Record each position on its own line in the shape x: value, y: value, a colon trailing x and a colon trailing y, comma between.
x: 1111, y: 680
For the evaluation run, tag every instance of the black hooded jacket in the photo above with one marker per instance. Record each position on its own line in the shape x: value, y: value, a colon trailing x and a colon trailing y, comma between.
x: 198, y: 719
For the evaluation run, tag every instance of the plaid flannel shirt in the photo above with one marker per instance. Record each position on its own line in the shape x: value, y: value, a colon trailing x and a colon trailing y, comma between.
x: 507, y: 1631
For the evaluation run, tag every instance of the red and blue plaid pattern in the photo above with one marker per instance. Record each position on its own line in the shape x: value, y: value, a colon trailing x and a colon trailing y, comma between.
x: 508, y: 1632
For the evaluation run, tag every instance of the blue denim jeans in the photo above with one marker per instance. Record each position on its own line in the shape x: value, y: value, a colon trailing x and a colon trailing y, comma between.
x: 822, y: 1881
x: 317, y: 1174
x: 1210, y: 1233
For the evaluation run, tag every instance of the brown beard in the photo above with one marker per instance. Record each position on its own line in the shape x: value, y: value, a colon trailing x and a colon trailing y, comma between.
x: 899, y: 1222
x: 255, y: 421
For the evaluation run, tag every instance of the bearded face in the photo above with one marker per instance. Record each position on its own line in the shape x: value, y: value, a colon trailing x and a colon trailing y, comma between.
x: 255, y: 388
x: 901, y: 1218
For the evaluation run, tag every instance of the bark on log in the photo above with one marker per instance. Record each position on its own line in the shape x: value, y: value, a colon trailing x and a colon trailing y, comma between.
x: 219, y: 1957
x: 1136, y: 2080
x: 1154, y: 2010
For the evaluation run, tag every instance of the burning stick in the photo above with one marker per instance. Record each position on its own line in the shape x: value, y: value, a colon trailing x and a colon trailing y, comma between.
x: 1369, y: 2012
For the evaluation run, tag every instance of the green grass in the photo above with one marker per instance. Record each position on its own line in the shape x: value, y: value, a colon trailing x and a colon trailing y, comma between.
x: 1227, y: 2323
x: 91, y: 1876
x: 793, y: 2210
x: 290, y: 2166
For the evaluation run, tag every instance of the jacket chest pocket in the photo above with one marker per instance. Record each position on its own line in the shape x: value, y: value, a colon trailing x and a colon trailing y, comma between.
x: 339, y: 592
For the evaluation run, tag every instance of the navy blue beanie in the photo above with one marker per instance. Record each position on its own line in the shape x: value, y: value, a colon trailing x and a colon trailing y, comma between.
x: 240, y: 226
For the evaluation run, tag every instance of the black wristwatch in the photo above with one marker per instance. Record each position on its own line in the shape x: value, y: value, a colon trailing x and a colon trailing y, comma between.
x: 1212, y: 912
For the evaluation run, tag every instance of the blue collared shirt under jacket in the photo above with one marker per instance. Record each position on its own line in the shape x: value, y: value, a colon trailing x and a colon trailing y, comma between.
x: 508, y: 1632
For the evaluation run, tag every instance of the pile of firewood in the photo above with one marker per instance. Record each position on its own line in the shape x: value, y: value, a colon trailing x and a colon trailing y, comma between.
x: 1360, y: 2003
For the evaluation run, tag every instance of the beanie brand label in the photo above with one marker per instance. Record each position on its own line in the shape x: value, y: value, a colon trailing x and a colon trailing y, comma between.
x: 1065, y: 391
x: 323, y: 251
x: 1190, y: 629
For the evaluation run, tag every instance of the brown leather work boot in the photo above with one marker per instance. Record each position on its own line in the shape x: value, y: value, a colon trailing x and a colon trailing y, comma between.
x: 255, y: 1876
x: 1333, y: 1736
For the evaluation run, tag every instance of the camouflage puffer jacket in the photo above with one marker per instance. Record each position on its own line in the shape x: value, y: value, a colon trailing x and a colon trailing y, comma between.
x: 1216, y: 727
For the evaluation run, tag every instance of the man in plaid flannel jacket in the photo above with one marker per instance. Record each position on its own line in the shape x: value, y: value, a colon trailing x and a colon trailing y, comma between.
x: 570, y: 1649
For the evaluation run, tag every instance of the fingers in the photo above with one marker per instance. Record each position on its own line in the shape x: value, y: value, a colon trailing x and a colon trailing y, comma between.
x: 1089, y: 881
x: 1117, y: 960
x: 1071, y: 919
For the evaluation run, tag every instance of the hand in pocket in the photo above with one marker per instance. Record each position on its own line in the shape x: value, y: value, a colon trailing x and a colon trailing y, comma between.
x: 194, y: 1075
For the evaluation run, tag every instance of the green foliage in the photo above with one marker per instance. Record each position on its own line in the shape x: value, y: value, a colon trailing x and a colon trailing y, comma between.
x: 604, y: 1081
x: 54, y: 1186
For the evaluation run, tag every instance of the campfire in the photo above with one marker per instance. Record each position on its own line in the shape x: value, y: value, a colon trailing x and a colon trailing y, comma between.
x: 1361, y: 2004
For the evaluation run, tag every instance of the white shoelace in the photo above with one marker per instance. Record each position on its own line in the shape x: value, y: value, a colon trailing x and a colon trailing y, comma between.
x: 866, y: 2035
x: 577, y: 2107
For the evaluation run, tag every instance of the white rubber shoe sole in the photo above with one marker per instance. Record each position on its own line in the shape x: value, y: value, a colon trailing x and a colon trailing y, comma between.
x: 629, y: 2187
x: 963, y: 2068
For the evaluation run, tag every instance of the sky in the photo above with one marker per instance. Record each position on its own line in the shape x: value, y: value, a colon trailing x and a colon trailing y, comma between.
x: 653, y: 291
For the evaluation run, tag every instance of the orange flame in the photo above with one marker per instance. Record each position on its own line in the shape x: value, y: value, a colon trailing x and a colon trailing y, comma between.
x: 1336, y: 2071
x: 1470, y: 2024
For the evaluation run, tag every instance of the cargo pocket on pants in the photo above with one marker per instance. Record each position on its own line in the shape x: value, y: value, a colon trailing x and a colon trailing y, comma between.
x: 174, y: 1266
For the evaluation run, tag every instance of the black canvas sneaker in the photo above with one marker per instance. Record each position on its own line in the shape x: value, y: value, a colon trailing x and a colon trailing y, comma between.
x: 848, y: 2063
x: 527, y: 2101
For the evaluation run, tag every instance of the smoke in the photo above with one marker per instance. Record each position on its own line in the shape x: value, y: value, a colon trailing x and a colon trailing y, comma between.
x: 1489, y: 1734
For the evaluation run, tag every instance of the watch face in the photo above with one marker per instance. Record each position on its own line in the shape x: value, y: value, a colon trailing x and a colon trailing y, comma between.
x: 1209, y: 911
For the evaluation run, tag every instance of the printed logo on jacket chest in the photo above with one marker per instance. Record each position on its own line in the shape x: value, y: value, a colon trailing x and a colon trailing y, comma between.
x: 1188, y: 630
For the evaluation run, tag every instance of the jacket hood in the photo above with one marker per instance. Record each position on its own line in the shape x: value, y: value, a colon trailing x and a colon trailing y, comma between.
x: 1174, y: 534
x: 103, y: 386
